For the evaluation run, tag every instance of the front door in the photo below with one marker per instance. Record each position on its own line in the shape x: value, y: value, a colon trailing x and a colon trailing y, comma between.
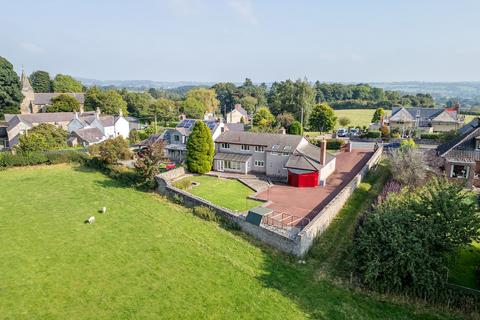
x: 220, y: 165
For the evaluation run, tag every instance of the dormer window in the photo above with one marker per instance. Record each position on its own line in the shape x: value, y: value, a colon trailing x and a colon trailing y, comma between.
x: 245, y: 147
x: 225, y: 145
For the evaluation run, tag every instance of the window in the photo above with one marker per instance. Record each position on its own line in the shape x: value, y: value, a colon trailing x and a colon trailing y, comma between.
x: 245, y: 147
x: 176, y: 138
x: 259, y: 149
x: 232, y: 165
x: 275, y: 149
x: 259, y: 163
x: 225, y: 145
x: 459, y: 171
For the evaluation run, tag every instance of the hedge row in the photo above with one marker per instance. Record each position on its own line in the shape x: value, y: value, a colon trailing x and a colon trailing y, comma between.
x: 332, y: 144
x: 8, y: 159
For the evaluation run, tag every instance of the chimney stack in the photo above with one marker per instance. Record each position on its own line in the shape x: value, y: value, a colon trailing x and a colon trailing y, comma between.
x: 323, y: 152
x: 81, y: 108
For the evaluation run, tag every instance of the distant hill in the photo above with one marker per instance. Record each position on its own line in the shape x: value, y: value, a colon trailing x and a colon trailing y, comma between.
x: 142, y: 84
x: 444, y: 89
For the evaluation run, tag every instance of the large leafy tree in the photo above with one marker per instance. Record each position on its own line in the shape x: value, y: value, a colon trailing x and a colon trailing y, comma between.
x: 66, y: 83
x: 42, y: 138
x: 226, y: 95
x: 10, y: 93
x: 291, y: 96
x: 200, y: 150
x: 137, y: 102
x: 111, y: 151
x: 207, y: 98
x: 263, y: 118
x: 162, y: 109
x: 322, y: 118
x: 108, y: 101
x: 64, y: 103
x: 40, y: 81
x: 193, y: 108
x: 404, y: 244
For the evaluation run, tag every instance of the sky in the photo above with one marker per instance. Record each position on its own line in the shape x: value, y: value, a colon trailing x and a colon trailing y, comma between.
x: 229, y: 40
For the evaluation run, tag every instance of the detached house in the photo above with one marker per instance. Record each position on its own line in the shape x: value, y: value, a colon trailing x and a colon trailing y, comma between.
x: 462, y: 154
x: 237, y: 115
x: 285, y: 157
x: 425, y: 119
x: 176, y: 139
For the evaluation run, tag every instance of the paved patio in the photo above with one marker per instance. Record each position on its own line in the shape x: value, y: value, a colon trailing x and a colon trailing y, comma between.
x: 306, y: 202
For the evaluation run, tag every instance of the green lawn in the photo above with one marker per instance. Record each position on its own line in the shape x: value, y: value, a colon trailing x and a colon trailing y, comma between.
x: 147, y: 258
x: 358, y: 117
x: 227, y: 193
x: 463, y: 271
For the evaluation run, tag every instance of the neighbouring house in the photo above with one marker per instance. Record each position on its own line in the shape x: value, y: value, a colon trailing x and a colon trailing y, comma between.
x: 425, y: 119
x: 461, y: 155
x: 176, y: 139
x: 237, y: 115
x: 3, y: 135
x: 18, y: 124
x: 134, y: 123
x: 284, y: 157
x: 151, y: 140
x: 108, y: 126
x: 35, y: 102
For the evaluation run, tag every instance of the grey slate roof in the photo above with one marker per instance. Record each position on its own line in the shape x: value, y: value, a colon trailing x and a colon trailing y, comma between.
x: 46, y: 98
x: 47, y: 117
x: 260, y: 139
x: 424, y: 113
x: 465, y: 133
x: 90, y: 135
x: 235, y: 126
x: 154, y: 138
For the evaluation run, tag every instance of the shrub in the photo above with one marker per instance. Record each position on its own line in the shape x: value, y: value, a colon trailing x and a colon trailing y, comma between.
x: 20, y: 159
x: 373, y: 134
x: 205, y: 213
x: 149, y: 161
x: 432, y: 136
x: 183, y: 184
x: 407, y: 165
x: 200, y: 149
x: 295, y: 128
x: 111, y: 150
x: 335, y: 144
x: 42, y: 138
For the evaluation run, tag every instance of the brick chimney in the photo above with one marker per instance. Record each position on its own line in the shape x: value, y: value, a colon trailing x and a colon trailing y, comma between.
x: 323, y: 152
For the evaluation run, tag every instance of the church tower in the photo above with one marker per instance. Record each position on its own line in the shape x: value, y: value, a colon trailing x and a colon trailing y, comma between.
x: 28, y: 94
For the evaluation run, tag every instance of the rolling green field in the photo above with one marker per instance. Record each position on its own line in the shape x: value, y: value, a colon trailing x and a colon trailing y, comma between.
x: 227, y: 193
x: 147, y: 258
x: 358, y: 117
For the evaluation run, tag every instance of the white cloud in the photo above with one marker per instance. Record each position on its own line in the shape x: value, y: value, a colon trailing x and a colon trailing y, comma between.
x: 244, y: 9
x: 31, y: 47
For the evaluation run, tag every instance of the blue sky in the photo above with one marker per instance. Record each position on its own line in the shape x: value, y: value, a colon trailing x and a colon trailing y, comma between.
x: 228, y: 40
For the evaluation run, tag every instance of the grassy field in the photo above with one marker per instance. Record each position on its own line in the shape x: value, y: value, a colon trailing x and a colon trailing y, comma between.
x: 147, y: 258
x: 358, y: 117
x: 227, y: 193
x: 463, y: 271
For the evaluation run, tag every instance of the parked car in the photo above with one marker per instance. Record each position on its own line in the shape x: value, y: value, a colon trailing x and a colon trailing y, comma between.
x: 391, y: 145
x: 353, y: 132
x: 342, y: 132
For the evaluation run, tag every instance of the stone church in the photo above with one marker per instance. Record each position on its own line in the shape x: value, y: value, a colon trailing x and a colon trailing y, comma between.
x: 35, y: 102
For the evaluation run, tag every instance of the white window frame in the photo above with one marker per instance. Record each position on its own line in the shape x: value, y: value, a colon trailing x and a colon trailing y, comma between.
x: 225, y: 145
x: 260, y: 149
x: 259, y: 163
x: 245, y: 147
x: 467, y: 171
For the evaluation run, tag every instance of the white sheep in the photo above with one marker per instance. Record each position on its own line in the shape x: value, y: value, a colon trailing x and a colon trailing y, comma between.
x: 104, y: 209
x: 90, y: 220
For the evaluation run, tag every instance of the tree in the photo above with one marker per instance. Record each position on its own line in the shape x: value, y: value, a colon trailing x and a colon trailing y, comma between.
x: 249, y: 103
x: 138, y: 103
x: 148, y: 163
x: 42, y: 138
x: 403, y: 245
x: 10, y: 93
x: 108, y: 101
x: 200, y: 149
x: 295, y: 128
x: 163, y: 110
x: 293, y: 97
x: 377, y: 115
x: 226, y: 95
x: 206, y: 98
x: 407, y: 165
x: 64, y: 103
x: 322, y: 118
x: 285, y: 119
x: 193, y: 108
x: 111, y: 150
x: 40, y: 81
x: 344, y: 121
x: 66, y: 83
x: 263, y: 118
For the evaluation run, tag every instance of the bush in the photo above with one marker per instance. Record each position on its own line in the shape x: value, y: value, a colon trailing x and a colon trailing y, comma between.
x: 372, y: 135
x: 335, y: 144
x: 205, y: 213
x: 21, y: 159
x: 432, y: 136
x: 183, y: 184
x: 111, y: 150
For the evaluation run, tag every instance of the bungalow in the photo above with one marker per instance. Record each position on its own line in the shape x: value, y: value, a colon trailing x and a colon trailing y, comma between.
x: 425, y: 119
x: 176, y: 139
x: 289, y: 158
x: 461, y: 155
x: 237, y: 115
